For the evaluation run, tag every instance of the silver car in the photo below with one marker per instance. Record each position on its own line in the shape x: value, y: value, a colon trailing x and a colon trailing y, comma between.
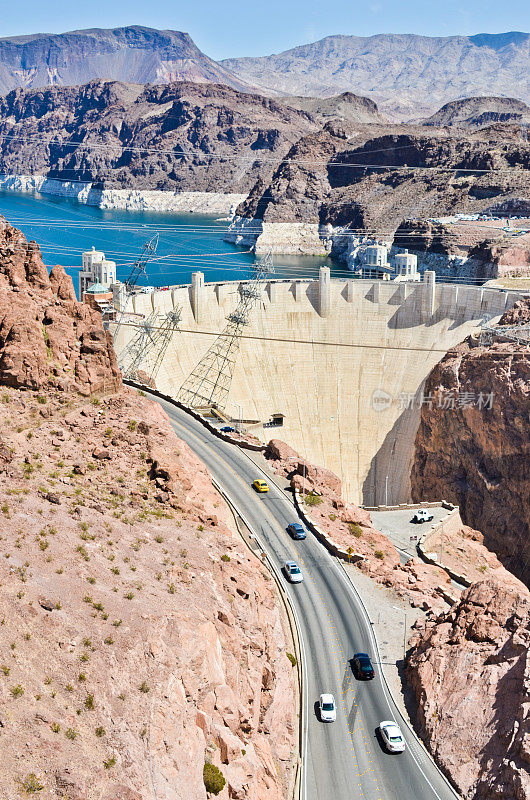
x: 292, y: 570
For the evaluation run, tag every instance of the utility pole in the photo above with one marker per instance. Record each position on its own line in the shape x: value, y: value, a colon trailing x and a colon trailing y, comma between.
x: 442, y: 548
x: 404, y: 632
x: 386, y: 490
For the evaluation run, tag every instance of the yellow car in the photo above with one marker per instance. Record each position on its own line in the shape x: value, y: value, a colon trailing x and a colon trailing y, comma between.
x: 260, y: 486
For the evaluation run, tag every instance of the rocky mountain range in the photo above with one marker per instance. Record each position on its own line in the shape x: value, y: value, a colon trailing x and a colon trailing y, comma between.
x: 133, y: 54
x: 408, y: 76
x: 181, y: 136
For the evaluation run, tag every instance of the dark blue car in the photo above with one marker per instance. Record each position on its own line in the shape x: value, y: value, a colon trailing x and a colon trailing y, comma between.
x: 296, y: 530
x: 227, y: 429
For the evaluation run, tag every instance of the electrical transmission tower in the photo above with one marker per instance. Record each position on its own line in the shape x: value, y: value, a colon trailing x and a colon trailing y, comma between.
x: 516, y: 333
x: 138, y: 269
x: 148, y: 347
x: 209, y: 383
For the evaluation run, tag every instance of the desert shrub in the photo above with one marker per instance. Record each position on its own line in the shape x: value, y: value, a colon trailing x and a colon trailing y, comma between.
x: 292, y: 659
x: 17, y: 691
x: 31, y: 784
x: 213, y: 778
x: 312, y: 499
x: 379, y: 554
x: 225, y: 557
x: 355, y: 529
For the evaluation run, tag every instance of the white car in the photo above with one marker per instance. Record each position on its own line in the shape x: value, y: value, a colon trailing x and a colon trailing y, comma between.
x: 422, y: 516
x: 392, y: 736
x: 292, y: 570
x: 327, y: 708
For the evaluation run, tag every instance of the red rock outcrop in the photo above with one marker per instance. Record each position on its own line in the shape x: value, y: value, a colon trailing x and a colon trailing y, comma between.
x: 140, y: 638
x: 470, y: 670
x: 479, y: 458
x: 47, y: 338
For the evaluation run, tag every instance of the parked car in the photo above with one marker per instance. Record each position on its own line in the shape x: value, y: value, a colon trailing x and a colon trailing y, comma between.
x: 422, y: 515
x: 327, y: 708
x: 227, y: 429
x: 363, y: 666
x: 260, y: 486
x: 296, y: 530
x: 392, y: 736
x: 292, y: 570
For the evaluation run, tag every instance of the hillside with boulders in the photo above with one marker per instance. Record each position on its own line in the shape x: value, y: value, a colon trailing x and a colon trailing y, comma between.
x: 142, y: 651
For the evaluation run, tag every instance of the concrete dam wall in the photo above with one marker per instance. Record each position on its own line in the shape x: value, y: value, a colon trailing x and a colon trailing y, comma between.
x: 343, y: 360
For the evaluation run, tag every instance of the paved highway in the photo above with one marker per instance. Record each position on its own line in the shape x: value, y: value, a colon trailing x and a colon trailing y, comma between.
x: 344, y: 759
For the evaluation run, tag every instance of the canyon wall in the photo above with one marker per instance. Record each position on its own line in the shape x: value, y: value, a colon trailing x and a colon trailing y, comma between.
x: 470, y: 673
x: 480, y: 458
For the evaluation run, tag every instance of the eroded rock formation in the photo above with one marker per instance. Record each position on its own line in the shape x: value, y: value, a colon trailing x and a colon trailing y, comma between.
x: 479, y: 458
x: 470, y: 672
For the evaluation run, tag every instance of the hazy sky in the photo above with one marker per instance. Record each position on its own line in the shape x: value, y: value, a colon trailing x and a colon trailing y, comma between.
x: 224, y: 28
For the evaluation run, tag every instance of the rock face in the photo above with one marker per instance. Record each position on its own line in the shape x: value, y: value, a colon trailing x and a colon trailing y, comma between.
x: 346, y: 175
x: 47, y: 338
x: 478, y: 112
x: 406, y: 75
x: 470, y: 672
x: 480, y: 458
x: 181, y: 137
x: 132, y: 54
x: 140, y: 639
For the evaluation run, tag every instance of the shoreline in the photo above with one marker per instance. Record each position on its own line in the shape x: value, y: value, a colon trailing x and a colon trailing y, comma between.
x: 125, y: 199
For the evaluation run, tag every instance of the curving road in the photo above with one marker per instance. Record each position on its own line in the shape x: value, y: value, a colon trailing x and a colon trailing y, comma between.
x: 342, y: 760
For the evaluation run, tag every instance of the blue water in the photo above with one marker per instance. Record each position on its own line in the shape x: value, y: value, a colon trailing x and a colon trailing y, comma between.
x: 188, y: 242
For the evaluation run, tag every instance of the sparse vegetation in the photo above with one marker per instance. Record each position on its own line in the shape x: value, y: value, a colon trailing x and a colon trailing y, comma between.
x: 100, y: 731
x: 225, y: 557
x: 71, y: 733
x: 292, y: 659
x: 355, y: 529
x: 31, y: 784
x: 17, y: 691
x: 144, y: 687
x: 312, y: 499
x: 214, y: 780
x: 379, y: 554
x: 109, y: 763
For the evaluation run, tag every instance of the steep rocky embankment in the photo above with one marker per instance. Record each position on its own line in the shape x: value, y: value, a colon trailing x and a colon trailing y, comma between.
x: 140, y: 639
x: 180, y: 137
x: 479, y: 458
x: 470, y: 672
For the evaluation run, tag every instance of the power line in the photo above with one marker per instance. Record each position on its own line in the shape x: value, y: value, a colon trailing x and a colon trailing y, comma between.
x: 312, y: 342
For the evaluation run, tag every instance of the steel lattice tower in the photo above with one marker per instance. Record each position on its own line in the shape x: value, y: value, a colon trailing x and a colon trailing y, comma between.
x: 209, y: 383
x: 147, y: 349
x: 138, y: 268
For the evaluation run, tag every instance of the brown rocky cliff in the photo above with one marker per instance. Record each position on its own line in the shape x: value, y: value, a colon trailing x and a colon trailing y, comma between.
x: 480, y: 458
x: 140, y: 638
x: 470, y: 672
x: 47, y: 338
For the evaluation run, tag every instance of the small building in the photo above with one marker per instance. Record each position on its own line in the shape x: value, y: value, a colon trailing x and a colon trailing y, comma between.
x: 97, y: 296
x: 96, y: 269
x: 406, y: 267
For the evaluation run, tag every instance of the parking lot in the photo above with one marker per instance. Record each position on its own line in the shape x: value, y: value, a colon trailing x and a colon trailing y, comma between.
x: 403, y: 533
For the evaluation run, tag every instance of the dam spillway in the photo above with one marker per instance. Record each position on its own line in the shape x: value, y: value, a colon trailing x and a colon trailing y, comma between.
x: 343, y: 360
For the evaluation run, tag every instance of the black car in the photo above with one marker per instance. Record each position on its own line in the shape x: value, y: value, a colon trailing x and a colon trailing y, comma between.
x: 296, y: 530
x: 363, y: 667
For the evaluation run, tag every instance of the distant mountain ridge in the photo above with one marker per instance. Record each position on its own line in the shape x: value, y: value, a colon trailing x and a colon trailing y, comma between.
x: 132, y: 54
x: 407, y: 75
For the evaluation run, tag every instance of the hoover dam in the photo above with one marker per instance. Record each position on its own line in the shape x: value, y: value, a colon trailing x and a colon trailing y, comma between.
x: 344, y: 362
